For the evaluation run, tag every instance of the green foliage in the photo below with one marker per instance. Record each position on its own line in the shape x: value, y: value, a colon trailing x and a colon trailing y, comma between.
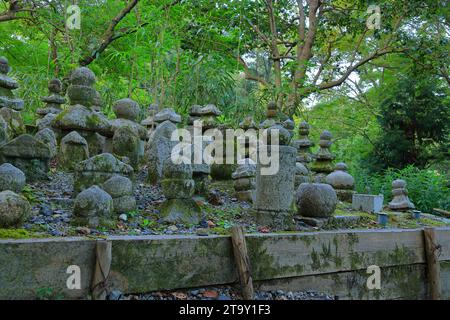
x: 17, y: 234
x: 427, y: 188
x: 414, y: 122
x: 46, y: 293
x: 28, y: 193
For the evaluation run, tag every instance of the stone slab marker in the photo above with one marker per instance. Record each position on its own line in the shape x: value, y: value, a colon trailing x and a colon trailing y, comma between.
x: 367, y: 202
x: 159, y: 148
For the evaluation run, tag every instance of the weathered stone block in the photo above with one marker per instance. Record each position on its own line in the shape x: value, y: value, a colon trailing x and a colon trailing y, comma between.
x: 367, y: 202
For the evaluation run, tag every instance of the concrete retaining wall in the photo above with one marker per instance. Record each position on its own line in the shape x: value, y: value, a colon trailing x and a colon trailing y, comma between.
x: 332, y: 262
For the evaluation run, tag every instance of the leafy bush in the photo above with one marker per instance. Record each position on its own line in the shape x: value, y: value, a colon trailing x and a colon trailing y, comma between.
x: 427, y: 188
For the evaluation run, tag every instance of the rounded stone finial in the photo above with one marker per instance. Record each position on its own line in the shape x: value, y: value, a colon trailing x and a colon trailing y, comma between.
x: 398, y: 184
x: 341, y: 166
x: 325, y: 139
x: 55, y: 86
x: 271, y: 110
x: 82, y: 76
x: 289, y: 124
x: 277, y: 130
x: 303, y: 128
x: 4, y: 66
x: 326, y: 135
x: 126, y: 109
x: 316, y: 200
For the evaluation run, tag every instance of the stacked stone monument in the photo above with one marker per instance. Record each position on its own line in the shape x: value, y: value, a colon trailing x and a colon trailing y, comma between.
x: 271, y: 116
x: 178, y: 188
x: 129, y: 136
x: 400, y: 201
x: 303, y: 145
x: 250, y: 149
x: 158, y: 149
x: 223, y: 170
x: 121, y: 190
x: 98, y: 169
x: 73, y: 150
x: 47, y: 137
x: 7, y: 85
x: 323, y: 162
x: 275, y: 188
x: 244, y: 180
x: 94, y: 208
x: 167, y: 114
x: 29, y: 155
x: 80, y: 116
x: 148, y: 122
x: 54, y: 100
x: 342, y: 182
x: 9, y: 104
x: 289, y: 125
x: 208, y: 116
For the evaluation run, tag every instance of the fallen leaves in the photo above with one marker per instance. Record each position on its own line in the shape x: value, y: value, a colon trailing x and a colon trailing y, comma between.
x: 213, y: 294
x: 179, y: 295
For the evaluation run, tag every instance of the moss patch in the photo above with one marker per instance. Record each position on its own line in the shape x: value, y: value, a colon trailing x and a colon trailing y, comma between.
x: 17, y: 234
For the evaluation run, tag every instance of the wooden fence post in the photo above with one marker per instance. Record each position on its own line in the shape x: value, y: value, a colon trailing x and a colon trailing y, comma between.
x: 99, y: 286
x: 242, y: 262
x: 433, y: 267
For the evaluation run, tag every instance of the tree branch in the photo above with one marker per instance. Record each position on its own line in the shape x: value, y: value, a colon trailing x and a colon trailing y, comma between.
x: 108, y: 35
x: 374, y: 55
x: 249, y: 75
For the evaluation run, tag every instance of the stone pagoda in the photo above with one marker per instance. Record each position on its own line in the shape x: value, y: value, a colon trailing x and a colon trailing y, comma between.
x: 271, y: 116
x: 323, y: 162
x: 208, y: 116
x: 303, y: 144
x: 7, y: 85
x: 127, y: 112
x: 9, y: 104
x: 400, y: 201
x: 80, y: 116
x: 54, y: 100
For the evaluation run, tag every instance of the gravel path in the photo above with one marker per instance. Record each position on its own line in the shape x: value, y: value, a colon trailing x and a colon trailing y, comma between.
x: 222, y: 293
